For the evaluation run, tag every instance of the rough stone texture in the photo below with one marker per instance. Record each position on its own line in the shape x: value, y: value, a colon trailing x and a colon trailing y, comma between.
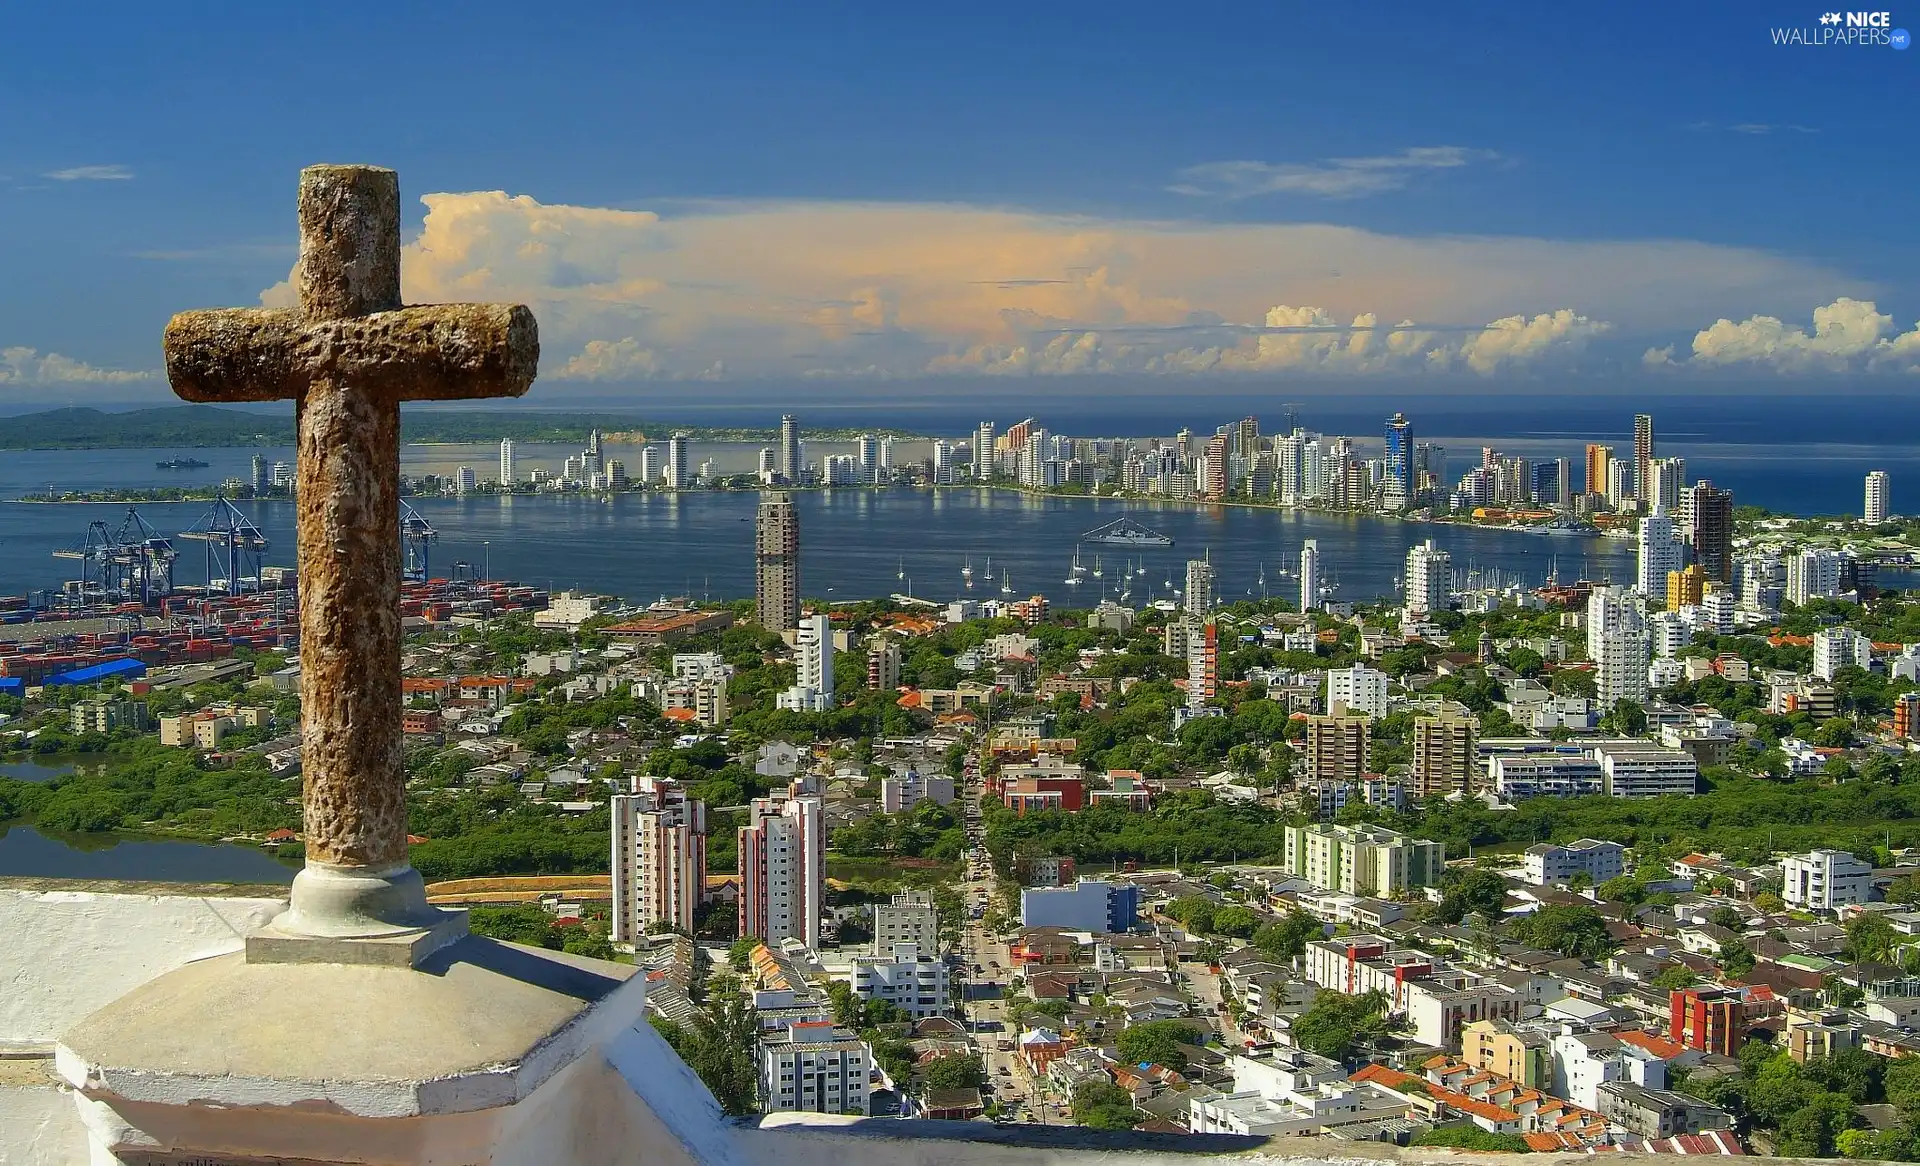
x: 349, y: 241
x: 349, y: 356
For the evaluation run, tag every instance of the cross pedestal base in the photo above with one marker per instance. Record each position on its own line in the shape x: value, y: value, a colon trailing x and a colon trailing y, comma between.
x: 476, y: 1056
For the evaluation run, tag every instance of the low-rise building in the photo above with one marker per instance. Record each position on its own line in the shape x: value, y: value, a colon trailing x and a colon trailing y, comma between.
x: 908, y: 977
x: 909, y: 917
x: 1548, y: 865
x: 1825, y: 880
x: 1658, y: 1113
x: 106, y: 714
x: 1362, y: 860
x: 815, y: 1068
x: 1089, y: 905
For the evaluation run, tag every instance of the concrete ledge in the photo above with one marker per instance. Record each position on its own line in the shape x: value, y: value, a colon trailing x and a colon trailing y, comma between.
x: 479, y: 1025
x: 146, y: 887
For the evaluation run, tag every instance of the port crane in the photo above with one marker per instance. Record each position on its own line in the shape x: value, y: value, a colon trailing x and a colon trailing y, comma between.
x: 233, y: 544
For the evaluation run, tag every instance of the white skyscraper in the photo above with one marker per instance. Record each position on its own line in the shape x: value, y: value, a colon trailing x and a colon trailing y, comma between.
x: 1617, y: 642
x: 659, y: 858
x: 679, y: 471
x: 769, y: 467
x: 943, y: 463
x: 1661, y: 553
x: 1669, y: 484
x: 782, y: 869
x: 508, y: 475
x: 1199, y: 597
x: 650, y: 468
x: 983, y: 451
x: 812, y: 689
x: 884, y: 467
x: 1813, y: 574
x: 465, y: 481
x: 869, y: 455
x: 1875, y: 510
x: 1360, y: 688
x: 1429, y: 582
x: 1309, y: 575
x: 790, y: 448
x: 1836, y: 648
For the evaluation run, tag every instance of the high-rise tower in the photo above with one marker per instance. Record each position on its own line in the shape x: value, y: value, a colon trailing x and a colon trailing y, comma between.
x: 790, y: 449
x: 777, y: 564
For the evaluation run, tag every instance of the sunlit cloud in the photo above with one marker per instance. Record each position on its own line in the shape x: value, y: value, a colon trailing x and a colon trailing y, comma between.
x: 903, y: 290
x: 1848, y: 335
x: 28, y: 367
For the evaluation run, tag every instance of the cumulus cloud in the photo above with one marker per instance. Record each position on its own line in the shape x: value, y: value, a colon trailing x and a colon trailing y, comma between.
x: 1848, y: 335
x: 90, y: 174
x: 617, y: 360
x: 22, y: 366
x: 1327, y: 178
x: 751, y: 290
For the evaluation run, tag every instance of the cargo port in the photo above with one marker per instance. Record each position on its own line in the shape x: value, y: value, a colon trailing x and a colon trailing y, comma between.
x: 124, y: 607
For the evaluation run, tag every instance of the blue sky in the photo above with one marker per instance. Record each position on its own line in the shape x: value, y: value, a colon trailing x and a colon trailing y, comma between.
x: 806, y: 195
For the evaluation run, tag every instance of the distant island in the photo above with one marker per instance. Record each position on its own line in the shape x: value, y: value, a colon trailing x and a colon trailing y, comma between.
x: 208, y: 426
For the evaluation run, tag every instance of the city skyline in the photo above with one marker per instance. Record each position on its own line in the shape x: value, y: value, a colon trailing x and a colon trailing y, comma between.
x: 1457, y: 241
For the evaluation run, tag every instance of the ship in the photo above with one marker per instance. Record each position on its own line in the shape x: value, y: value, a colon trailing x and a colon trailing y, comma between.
x: 181, y: 463
x: 1125, y: 532
x: 1563, y: 525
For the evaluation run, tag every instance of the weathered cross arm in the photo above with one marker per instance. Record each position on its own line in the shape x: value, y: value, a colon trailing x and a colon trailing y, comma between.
x: 433, y: 352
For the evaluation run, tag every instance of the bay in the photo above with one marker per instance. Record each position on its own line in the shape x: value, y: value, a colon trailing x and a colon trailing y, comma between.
x: 26, y: 852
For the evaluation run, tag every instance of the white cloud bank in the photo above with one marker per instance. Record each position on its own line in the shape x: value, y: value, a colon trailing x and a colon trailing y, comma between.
x: 20, y: 366
x: 905, y: 290
x: 1848, y: 335
x: 90, y: 174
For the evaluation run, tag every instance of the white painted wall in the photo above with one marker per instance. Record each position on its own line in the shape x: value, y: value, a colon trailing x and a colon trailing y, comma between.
x: 66, y: 953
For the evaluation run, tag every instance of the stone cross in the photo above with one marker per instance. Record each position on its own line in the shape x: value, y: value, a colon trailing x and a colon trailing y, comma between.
x: 347, y: 357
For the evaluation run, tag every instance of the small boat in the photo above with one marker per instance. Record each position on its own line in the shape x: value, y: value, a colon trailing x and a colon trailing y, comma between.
x: 989, y: 575
x: 1096, y: 567
x: 966, y: 572
x: 902, y: 572
x: 181, y: 463
x: 1075, y: 572
x: 1006, y: 582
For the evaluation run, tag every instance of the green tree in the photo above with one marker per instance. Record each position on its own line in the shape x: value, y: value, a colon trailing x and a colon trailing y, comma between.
x: 1472, y: 1137
x: 1288, y: 939
x: 1236, y: 921
x: 1337, y: 1024
x: 1674, y: 979
x: 1101, y: 1105
x: 1575, y: 931
x: 1471, y: 891
x: 740, y: 952
x: 1157, y: 1042
x: 1811, y: 1130
x: 1736, y: 958
x: 1871, y: 937
x: 956, y: 1071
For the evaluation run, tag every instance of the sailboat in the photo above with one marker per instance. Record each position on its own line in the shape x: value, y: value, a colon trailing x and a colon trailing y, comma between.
x: 966, y: 572
x: 1075, y: 572
x: 1097, y: 572
x: 1006, y: 582
x: 902, y: 572
x: 989, y: 575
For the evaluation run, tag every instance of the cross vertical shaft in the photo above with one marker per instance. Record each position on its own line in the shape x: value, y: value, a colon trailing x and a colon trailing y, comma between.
x: 348, y: 511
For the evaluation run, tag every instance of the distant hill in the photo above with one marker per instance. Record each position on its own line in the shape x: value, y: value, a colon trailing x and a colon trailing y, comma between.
x: 209, y: 425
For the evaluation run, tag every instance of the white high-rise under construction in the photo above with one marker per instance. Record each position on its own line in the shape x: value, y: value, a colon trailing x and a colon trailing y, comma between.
x: 1199, y: 596
x: 507, y: 472
x: 1429, y: 581
x: 659, y: 858
x: 1309, y: 575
